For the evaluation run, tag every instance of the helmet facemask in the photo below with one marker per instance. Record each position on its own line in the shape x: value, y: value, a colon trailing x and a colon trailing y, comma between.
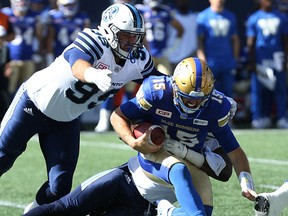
x: 124, y: 43
x: 192, y: 87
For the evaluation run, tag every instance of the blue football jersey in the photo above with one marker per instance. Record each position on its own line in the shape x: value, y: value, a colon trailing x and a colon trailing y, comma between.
x: 156, y: 25
x: 268, y: 28
x: 66, y: 29
x: 154, y: 103
x: 21, y: 48
x: 217, y: 28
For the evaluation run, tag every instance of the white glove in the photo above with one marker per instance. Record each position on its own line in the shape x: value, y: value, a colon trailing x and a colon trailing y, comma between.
x: 233, y: 108
x: 99, y: 77
x: 175, y: 147
x: 215, y: 161
x: 181, y: 150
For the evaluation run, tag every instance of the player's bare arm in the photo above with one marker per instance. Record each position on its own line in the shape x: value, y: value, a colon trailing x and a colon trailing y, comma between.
x: 122, y: 126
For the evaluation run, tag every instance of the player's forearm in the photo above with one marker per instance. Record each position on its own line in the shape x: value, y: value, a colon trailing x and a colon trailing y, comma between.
x: 122, y: 127
x: 79, y: 68
x: 239, y: 161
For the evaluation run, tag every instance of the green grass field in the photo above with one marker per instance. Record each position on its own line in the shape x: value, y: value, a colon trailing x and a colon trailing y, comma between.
x: 267, y: 151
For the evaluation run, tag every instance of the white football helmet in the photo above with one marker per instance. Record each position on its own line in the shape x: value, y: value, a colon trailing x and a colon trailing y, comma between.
x: 123, y: 19
x: 68, y: 7
x: 20, y: 6
x: 193, y: 85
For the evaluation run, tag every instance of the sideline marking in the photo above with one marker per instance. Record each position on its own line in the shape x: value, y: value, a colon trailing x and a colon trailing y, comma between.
x: 12, y: 204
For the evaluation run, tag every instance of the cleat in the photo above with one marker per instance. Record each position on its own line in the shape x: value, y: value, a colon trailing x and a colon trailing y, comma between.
x: 30, y: 207
x: 282, y: 123
x: 261, y: 206
x: 104, y: 121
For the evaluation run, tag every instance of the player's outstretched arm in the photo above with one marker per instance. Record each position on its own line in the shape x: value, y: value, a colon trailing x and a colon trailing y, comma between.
x: 242, y: 168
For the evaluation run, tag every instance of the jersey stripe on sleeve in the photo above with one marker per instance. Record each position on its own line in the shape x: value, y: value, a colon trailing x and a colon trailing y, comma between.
x: 148, y: 67
x: 89, y: 45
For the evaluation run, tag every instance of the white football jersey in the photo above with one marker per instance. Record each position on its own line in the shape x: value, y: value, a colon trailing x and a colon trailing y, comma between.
x: 60, y: 96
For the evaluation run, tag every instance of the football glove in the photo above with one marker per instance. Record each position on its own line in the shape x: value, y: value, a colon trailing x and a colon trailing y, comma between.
x: 101, y: 78
x: 181, y: 150
x: 175, y: 148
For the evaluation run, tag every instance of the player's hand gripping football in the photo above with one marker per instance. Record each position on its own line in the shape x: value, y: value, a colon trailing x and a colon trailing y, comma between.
x: 101, y: 78
x: 143, y: 143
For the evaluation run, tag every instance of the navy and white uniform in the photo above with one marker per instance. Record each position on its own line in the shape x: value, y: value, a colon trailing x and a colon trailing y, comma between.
x: 51, y: 101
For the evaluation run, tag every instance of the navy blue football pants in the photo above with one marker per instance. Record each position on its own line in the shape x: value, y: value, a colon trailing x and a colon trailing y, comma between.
x: 59, y: 142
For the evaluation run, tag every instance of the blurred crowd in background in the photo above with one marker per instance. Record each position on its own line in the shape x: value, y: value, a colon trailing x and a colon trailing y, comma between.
x: 249, y: 61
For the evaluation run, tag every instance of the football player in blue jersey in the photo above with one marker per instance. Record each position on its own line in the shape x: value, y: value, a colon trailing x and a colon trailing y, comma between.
x: 218, y: 43
x: 25, y: 25
x: 267, y: 42
x: 91, y: 69
x: 158, y: 18
x: 187, y: 106
x: 126, y: 190
x: 65, y: 23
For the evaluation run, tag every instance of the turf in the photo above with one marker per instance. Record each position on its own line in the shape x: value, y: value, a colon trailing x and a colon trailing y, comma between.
x: 266, y: 150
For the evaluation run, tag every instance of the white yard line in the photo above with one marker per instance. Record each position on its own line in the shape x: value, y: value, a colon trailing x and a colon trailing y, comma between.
x: 11, y: 204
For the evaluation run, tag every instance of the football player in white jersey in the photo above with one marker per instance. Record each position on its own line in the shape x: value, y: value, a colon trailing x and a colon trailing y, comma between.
x: 94, y: 67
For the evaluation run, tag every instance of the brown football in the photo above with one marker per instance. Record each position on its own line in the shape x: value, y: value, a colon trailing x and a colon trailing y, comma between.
x: 157, y: 135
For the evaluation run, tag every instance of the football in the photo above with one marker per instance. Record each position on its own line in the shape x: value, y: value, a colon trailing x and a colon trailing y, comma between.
x: 157, y: 135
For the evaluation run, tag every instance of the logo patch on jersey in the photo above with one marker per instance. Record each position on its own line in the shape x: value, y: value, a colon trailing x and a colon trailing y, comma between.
x: 200, y: 122
x: 101, y: 66
x: 223, y: 121
x: 29, y: 111
x: 164, y: 113
x: 144, y: 104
